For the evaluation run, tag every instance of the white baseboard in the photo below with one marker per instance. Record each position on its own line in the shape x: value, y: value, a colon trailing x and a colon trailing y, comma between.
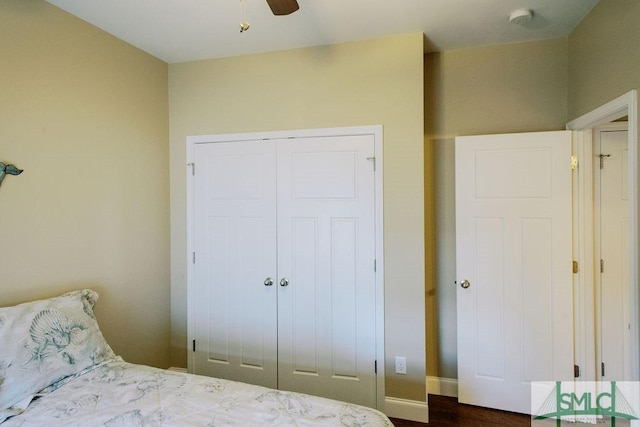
x: 406, y: 409
x: 174, y: 369
x: 442, y: 386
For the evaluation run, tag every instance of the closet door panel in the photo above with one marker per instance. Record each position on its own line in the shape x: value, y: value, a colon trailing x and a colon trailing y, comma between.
x: 235, y: 317
x: 303, y: 295
x: 344, y: 259
x: 326, y: 250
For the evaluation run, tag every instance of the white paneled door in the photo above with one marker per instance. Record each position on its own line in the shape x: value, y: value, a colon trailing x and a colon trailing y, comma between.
x: 326, y: 251
x: 285, y: 291
x: 235, y: 255
x: 514, y: 266
x: 613, y: 314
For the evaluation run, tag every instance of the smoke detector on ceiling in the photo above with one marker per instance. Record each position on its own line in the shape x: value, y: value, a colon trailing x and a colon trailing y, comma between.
x: 521, y: 16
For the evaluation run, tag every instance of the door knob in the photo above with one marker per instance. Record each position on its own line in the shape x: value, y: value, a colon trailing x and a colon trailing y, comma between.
x: 284, y: 282
x: 268, y: 281
x: 465, y: 284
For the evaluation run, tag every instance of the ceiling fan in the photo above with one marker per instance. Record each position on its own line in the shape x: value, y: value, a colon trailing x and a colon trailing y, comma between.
x: 278, y: 7
x: 283, y: 7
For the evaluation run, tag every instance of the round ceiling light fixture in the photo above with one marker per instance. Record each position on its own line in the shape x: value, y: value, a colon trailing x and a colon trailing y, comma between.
x: 521, y: 16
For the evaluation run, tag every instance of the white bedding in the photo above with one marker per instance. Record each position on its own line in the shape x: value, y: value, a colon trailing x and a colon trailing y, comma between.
x: 117, y: 393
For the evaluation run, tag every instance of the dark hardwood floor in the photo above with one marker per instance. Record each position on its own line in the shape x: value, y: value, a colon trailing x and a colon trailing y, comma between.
x: 447, y: 412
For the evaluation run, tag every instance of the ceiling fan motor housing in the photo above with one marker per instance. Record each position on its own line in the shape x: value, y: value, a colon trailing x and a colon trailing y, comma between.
x: 283, y: 7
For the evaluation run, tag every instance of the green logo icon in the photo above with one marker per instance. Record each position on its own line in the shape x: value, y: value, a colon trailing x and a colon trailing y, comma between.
x: 589, y: 401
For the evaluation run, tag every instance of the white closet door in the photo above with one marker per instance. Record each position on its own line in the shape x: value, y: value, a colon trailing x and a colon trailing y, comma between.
x: 235, y: 247
x: 615, y: 315
x: 513, y: 255
x: 326, y: 251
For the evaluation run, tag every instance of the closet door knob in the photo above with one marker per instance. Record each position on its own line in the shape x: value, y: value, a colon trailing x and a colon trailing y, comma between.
x: 268, y: 281
x: 465, y: 284
x: 284, y: 282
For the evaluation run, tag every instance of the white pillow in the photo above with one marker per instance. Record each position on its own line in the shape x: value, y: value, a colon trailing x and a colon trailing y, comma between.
x: 43, y: 342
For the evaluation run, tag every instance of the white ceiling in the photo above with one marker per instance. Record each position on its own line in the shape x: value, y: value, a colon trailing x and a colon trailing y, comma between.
x: 186, y: 30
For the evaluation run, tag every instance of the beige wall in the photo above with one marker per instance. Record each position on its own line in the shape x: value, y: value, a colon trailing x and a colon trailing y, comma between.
x: 86, y: 116
x: 498, y: 89
x: 363, y: 83
x: 604, y: 55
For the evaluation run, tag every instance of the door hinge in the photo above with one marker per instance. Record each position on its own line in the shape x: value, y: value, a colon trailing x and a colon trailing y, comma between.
x: 601, y: 266
x: 576, y: 371
x: 193, y: 168
x: 375, y: 366
x: 602, y: 369
x: 575, y: 267
x: 374, y: 266
x: 602, y: 156
x: 193, y: 257
x: 194, y: 345
x: 374, y: 161
x: 574, y: 163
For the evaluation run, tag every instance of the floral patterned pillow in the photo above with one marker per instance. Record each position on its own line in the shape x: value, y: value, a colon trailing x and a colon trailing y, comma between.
x: 43, y: 342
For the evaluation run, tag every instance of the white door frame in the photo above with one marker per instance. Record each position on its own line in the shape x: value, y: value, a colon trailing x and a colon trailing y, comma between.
x: 625, y: 105
x: 376, y: 132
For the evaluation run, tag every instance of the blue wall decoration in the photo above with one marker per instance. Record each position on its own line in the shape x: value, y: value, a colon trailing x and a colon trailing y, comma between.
x: 8, y: 169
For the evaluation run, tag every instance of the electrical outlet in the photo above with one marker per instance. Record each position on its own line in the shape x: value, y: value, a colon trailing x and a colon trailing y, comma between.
x: 401, y: 365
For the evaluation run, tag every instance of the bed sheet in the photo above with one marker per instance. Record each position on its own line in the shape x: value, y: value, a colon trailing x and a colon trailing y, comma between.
x: 118, y: 393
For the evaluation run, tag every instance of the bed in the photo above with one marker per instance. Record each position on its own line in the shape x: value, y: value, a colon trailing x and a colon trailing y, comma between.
x: 57, y: 369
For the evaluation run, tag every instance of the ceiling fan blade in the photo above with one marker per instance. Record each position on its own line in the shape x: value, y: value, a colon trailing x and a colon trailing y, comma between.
x: 283, y: 7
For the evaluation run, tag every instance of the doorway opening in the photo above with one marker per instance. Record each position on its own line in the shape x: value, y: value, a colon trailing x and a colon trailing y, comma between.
x: 588, y: 301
